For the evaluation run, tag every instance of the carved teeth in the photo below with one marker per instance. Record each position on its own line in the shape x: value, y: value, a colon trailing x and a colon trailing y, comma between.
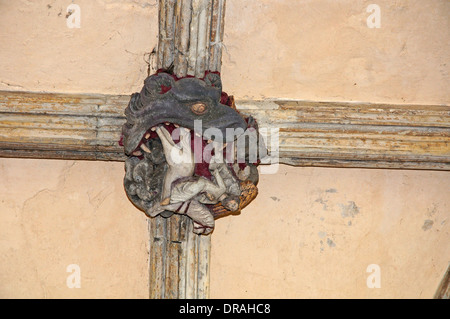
x: 137, y: 153
x: 147, y: 136
x: 153, y: 129
x: 145, y: 148
x: 167, y: 123
x: 176, y: 125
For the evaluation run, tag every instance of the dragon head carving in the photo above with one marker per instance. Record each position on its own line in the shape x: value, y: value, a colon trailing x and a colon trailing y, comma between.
x: 166, y: 168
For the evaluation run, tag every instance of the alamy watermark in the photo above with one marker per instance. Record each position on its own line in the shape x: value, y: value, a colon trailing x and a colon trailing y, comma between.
x: 244, y: 146
x: 373, y: 20
x: 374, y: 279
x: 73, y: 16
x: 74, y: 279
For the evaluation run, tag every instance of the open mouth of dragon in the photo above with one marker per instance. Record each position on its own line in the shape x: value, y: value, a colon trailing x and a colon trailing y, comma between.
x: 181, y: 155
x: 203, y: 148
x: 173, y: 130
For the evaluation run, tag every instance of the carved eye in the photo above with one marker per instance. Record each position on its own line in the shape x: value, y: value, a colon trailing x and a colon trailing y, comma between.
x: 199, y: 108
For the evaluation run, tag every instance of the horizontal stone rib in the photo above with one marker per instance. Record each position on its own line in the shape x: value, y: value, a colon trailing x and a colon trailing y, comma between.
x: 88, y: 126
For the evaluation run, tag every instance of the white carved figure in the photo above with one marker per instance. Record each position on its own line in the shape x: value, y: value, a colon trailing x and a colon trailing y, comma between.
x: 185, y: 194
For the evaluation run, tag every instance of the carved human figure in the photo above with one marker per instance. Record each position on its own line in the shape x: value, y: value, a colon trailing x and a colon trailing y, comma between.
x: 185, y: 194
x: 179, y: 157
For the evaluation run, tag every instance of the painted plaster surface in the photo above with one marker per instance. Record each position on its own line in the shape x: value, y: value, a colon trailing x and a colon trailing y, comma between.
x: 324, y: 50
x: 309, y: 50
x: 311, y: 232
x: 59, y: 213
x: 104, y: 55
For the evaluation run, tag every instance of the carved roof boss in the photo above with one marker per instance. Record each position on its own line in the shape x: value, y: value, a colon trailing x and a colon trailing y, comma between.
x: 189, y: 151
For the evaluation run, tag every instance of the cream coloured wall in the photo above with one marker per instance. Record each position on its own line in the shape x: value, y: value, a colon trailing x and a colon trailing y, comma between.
x: 310, y: 50
x: 324, y: 50
x: 311, y: 232
x: 58, y: 213
x: 105, y: 55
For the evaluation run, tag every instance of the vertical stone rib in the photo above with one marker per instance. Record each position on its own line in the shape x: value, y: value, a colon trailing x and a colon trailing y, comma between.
x: 162, y: 33
x: 217, y: 29
x: 203, y: 38
x: 157, y: 258
x: 179, y: 259
x: 182, y: 35
x: 193, y: 37
x: 169, y: 34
